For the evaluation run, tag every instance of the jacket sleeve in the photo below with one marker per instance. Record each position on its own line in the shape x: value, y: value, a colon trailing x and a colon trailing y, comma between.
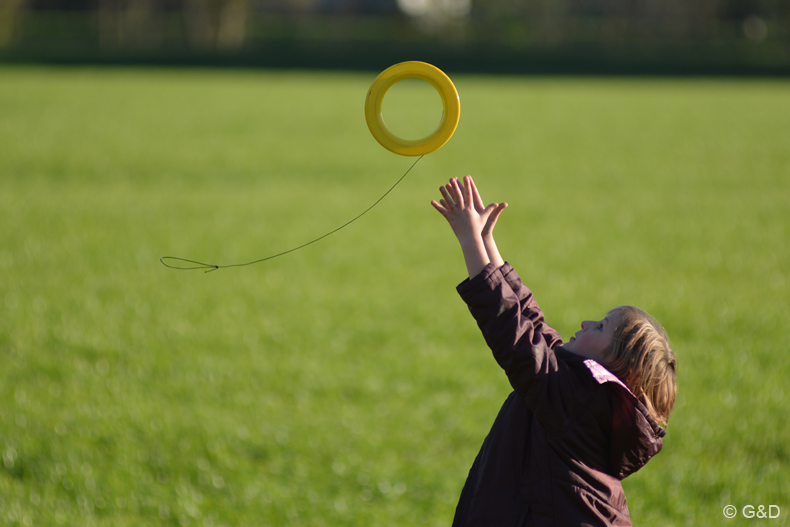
x: 529, y: 306
x: 522, y: 344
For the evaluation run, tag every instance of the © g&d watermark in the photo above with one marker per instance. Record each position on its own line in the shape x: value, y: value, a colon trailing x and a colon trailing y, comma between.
x: 753, y: 511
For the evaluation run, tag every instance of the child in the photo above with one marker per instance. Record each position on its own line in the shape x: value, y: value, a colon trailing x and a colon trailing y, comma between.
x: 584, y: 414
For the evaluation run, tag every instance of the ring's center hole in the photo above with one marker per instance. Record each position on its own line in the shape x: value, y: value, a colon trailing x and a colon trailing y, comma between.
x: 412, y: 109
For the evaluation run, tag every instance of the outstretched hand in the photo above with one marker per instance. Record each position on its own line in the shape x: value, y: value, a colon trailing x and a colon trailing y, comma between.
x: 463, y: 209
x: 472, y: 222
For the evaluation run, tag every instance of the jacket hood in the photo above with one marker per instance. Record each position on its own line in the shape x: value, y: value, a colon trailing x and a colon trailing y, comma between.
x: 636, y: 436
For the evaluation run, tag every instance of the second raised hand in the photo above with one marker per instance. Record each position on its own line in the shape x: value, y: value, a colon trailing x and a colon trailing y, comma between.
x: 488, y: 228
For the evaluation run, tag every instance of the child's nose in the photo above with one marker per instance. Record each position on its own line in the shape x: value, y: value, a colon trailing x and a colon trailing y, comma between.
x: 585, y: 323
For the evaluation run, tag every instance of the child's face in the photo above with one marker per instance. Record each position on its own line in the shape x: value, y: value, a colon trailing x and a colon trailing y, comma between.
x: 595, y: 338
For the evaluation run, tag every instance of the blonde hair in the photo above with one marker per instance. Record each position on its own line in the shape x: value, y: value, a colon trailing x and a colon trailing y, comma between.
x: 642, y: 358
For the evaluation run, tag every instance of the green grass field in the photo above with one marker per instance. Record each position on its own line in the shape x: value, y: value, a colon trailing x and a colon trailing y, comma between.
x: 346, y: 384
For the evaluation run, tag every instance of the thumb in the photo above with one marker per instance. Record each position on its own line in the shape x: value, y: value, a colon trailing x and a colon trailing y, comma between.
x: 495, y: 212
x: 491, y: 208
x: 485, y: 214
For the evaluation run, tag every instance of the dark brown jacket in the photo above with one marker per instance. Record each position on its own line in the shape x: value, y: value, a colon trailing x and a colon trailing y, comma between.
x: 564, y: 438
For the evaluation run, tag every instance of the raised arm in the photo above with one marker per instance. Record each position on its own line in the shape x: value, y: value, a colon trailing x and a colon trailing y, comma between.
x: 529, y: 306
x: 524, y: 346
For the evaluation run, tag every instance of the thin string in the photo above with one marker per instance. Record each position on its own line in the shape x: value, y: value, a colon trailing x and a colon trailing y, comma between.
x: 214, y: 267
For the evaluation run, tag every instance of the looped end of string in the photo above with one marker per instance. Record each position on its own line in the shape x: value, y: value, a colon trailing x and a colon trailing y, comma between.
x: 200, y: 265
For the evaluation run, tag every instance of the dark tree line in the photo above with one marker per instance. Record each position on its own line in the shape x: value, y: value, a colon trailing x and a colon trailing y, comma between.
x: 225, y: 24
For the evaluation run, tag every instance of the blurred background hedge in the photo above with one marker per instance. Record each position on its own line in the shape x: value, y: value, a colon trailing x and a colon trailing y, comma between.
x: 497, y: 36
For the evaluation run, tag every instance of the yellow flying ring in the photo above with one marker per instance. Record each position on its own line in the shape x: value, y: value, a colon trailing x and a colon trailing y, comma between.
x: 451, y: 106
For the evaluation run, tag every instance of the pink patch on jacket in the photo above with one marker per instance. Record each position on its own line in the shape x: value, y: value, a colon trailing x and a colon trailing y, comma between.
x: 603, y: 375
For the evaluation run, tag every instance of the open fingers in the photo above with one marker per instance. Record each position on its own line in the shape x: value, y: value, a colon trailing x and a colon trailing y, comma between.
x: 441, y: 208
x: 447, y: 201
x: 467, y: 190
x: 456, y: 192
x: 476, y: 195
